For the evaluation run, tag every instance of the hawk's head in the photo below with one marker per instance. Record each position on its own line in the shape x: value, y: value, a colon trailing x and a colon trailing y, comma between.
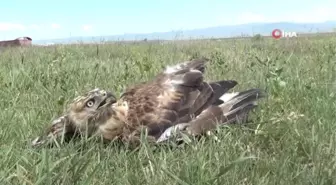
x: 78, y: 116
x: 85, y: 107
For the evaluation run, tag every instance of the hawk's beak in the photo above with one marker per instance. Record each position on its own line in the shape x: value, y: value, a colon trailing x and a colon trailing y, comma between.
x: 108, y: 99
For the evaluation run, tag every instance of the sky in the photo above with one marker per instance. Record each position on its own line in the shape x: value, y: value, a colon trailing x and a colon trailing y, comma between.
x: 51, y: 19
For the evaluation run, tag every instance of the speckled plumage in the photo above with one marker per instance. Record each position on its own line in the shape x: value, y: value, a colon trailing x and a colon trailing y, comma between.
x: 177, y: 95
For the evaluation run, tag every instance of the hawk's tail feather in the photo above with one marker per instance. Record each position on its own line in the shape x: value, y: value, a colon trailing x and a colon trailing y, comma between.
x: 241, y: 103
x: 220, y: 88
x: 234, y: 109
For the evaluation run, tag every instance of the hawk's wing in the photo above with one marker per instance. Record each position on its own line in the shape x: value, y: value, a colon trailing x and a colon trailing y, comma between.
x: 175, y: 95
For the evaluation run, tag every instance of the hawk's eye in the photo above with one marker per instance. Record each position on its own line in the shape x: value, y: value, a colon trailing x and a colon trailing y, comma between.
x: 90, y: 103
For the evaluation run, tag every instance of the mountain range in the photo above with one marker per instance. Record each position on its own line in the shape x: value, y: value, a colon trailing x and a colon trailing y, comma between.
x: 249, y: 29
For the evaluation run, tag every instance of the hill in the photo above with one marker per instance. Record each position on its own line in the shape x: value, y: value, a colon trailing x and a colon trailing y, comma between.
x: 212, y: 32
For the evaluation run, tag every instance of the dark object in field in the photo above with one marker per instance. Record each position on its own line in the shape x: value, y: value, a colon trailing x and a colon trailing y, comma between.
x: 177, y: 96
x: 21, y: 41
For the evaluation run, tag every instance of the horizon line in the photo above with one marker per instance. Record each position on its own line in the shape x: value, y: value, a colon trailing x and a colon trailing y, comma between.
x: 181, y: 30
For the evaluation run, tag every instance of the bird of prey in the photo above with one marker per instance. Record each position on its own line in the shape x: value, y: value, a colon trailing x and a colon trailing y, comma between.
x: 175, y: 96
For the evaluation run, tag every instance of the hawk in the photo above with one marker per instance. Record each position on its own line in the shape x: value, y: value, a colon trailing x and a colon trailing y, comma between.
x: 177, y: 95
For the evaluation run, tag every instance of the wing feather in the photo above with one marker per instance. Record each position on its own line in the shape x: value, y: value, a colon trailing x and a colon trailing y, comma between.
x: 176, y: 95
x: 172, y: 94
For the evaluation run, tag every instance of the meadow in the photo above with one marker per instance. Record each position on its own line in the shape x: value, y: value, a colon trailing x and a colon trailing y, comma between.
x: 290, y: 140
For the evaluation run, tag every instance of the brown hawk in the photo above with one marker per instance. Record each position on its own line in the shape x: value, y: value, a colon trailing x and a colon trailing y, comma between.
x: 177, y: 95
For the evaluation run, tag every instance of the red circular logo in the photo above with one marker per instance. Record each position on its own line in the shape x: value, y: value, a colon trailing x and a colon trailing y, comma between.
x: 276, y: 34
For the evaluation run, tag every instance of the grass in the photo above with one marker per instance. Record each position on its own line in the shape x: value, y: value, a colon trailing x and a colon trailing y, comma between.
x: 291, y: 140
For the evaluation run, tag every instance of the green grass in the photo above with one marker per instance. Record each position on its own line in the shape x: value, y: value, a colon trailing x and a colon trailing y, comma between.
x: 291, y: 140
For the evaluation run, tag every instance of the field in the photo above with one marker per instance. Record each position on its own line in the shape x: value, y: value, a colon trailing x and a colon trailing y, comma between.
x: 291, y: 139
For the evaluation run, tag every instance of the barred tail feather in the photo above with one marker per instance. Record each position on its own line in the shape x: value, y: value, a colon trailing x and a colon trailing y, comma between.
x: 235, y: 108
